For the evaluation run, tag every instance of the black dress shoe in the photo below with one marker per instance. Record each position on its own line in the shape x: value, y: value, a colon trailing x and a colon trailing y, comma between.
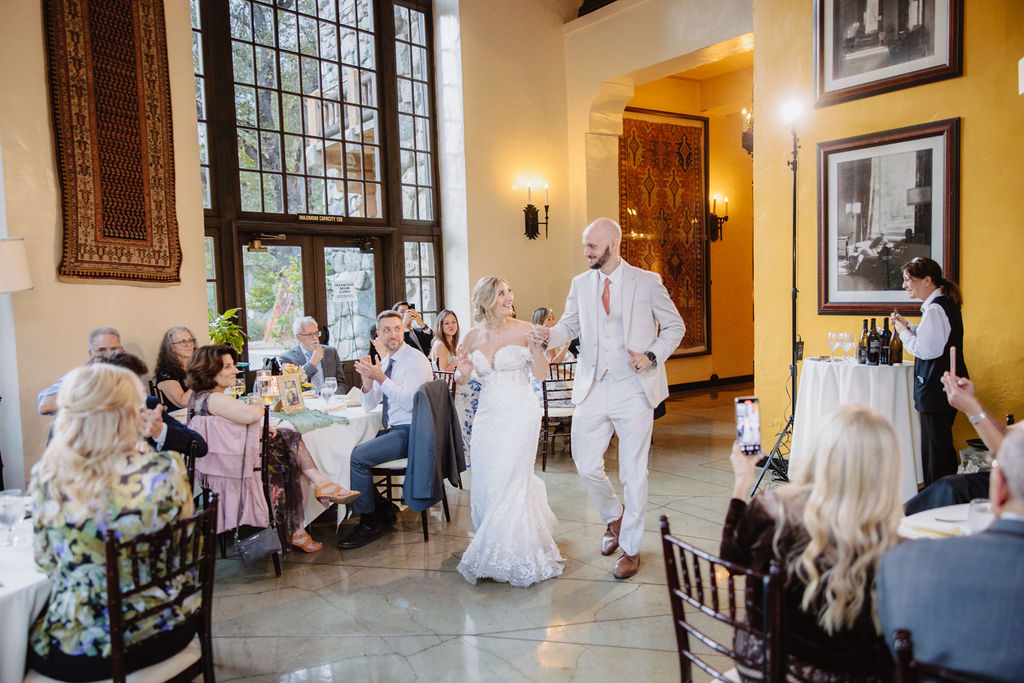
x: 361, y: 536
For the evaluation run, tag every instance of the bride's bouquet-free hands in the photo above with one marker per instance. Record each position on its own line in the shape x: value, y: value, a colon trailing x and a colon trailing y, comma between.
x: 463, y: 365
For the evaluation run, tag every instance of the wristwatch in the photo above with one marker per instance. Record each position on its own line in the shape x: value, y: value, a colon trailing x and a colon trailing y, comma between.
x: 651, y: 357
x: 975, y: 419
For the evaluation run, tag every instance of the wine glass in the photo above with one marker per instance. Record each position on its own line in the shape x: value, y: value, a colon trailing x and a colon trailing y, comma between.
x: 267, y: 388
x: 833, y: 344
x: 846, y: 342
x: 979, y: 515
x: 240, y: 386
x: 328, y: 390
x: 12, y: 511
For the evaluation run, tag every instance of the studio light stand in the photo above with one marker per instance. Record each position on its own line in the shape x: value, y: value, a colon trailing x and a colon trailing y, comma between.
x: 775, y: 460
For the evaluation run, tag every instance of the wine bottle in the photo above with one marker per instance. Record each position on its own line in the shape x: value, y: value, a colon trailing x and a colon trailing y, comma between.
x: 862, y: 344
x: 883, y: 343
x: 895, y: 348
x: 873, y: 344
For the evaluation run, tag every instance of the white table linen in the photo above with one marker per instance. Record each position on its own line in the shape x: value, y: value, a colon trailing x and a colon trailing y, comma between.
x: 943, y: 522
x: 23, y: 594
x: 886, y: 389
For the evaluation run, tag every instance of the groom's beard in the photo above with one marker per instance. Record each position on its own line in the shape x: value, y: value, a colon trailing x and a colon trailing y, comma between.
x: 599, y: 263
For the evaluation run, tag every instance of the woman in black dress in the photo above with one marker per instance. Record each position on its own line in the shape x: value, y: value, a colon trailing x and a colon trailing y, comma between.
x: 176, y: 351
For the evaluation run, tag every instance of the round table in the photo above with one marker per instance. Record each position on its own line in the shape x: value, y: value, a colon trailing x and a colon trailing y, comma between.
x: 887, y: 389
x: 943, y: 522
x: 24, y: 591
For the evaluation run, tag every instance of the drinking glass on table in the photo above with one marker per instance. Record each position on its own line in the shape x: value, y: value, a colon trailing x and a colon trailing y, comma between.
x: 12, y: 511
x: 846, y: 342
x: 266, y: 387
x: 328, y: 390
x: 833, y: 344
x: 979, y: 515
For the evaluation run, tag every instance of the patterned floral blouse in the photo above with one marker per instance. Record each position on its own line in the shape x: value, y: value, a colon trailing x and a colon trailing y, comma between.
x: 152, y: 491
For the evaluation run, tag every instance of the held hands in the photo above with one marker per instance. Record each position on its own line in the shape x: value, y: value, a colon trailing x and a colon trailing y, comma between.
x: 638, y: 361
x: 538, y: 335
x: 412, y: 316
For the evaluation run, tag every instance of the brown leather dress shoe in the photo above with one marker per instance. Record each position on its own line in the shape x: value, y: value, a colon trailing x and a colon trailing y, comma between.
x: 611, y: 536
x: 627, y: 566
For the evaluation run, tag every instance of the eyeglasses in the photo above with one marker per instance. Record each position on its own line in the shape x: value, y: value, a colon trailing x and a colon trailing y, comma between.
x: 308, y: 334
x: 191, y: 341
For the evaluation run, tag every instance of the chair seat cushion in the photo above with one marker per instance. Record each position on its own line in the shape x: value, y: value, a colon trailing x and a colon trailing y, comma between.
x: 155, y: 673
x: 557, y: 411
x: 399, y: 464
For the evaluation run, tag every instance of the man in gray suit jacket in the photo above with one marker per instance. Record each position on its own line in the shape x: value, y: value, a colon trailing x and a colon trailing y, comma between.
x: 315, y: 360
x: 962, y: 599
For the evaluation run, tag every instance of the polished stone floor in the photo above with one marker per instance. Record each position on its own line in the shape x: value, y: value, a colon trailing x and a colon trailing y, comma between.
x: 397, y: 609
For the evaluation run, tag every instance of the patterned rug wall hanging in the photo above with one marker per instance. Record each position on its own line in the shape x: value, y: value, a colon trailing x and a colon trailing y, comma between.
x: 663, y: 189
x: 110, y: 95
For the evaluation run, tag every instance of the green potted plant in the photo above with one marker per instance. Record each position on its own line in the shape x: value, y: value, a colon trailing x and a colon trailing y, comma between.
x: 225, y: 330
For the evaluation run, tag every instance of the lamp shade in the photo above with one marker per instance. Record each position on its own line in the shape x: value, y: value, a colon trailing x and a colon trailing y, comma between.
x: 14, y: 276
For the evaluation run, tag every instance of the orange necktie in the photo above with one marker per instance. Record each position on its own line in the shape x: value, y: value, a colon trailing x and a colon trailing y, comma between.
x: 606, y: 296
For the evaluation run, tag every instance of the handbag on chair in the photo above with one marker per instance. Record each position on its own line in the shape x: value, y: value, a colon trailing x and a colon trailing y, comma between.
x: 264, y: 542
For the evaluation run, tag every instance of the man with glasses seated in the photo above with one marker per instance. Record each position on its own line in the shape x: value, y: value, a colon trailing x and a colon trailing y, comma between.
x: 318, y: 362
x: 101, y: 340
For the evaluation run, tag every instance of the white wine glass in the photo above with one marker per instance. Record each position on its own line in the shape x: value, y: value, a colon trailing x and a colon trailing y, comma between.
x: 240, y: 385
x: 833, y: 344
x: 328, y: 390
x: 846, y: 342
x: 266, y: 387
x: 12, y: 511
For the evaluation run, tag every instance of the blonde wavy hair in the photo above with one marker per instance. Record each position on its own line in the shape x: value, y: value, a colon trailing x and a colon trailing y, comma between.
x: 485, y: 293
x: 98, y: 419
x: 844, y: 508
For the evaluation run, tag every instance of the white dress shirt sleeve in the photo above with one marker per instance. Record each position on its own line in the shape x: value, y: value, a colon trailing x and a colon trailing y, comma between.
x: 412, y: 372
x: 928, y: 338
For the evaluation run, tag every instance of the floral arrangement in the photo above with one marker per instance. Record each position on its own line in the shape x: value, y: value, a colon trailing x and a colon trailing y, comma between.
x: 292, y: 369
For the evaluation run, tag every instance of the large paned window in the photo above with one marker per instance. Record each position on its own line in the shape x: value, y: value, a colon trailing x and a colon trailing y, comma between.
x: 317, y: 135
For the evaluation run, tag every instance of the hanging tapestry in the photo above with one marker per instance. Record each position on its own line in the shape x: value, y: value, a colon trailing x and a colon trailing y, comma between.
x: 110, y: 95
x: 663, y: 160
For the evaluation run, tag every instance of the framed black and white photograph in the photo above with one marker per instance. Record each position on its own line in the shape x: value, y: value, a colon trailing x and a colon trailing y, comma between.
x: 867, y: 47
x: 884, y: 199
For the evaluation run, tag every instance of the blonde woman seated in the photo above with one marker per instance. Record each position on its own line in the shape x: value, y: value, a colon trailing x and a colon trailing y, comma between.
x: 830, y: 526
x: 98, y: 474
x: 546, y: 317
x: 231, y: 429
x: 446, y: 341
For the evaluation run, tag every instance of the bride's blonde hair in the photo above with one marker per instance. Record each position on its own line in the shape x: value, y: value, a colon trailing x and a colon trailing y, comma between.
x: 485, y: 293
x: 98, y: 419
x: 843, y: 507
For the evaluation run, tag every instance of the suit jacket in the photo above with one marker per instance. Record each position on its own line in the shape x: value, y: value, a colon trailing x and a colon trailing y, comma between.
x: 962, y: 599
x: 646, y: 308
x: 179, y: 437
x: 330, y: 363
x: 435, y: 446
x: 420, y: 339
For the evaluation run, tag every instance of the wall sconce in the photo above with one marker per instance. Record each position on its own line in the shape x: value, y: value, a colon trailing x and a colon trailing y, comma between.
x: 714, y: 220
x: 533, y: 221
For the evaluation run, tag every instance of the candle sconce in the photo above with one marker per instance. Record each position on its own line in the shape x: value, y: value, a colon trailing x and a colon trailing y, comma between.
x: 532, y: 213
x: 715, y: 221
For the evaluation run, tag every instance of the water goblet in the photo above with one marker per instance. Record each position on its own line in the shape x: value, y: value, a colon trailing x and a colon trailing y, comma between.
x: 846, y: 342
x: 833, y: 344
x: 979, y: 515
x: 328, y: 390
x: 12, y: 511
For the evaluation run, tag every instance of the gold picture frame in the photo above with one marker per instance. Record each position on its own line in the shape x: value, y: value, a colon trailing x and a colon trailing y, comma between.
x: 289, y: 389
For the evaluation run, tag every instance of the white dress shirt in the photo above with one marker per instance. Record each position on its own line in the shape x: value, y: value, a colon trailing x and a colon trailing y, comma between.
x: 412, y: 370
x: 927, y: 339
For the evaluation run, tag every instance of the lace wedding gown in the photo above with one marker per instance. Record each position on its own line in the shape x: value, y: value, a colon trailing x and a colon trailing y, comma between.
x: 513, y: 542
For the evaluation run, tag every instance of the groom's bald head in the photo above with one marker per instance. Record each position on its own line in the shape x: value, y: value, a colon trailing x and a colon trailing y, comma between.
x: 601, y: 242
x: 604, y: 229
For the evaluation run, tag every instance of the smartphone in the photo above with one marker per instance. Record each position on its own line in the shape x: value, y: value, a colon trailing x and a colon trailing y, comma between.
x: 748, y: 424
x: 412, y: 306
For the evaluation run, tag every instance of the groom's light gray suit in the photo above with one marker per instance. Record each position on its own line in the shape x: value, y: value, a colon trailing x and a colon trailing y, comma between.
x: 609, y: 395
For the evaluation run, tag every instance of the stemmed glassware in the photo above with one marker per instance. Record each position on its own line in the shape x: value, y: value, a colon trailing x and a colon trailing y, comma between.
x: 266, y: 386
x: 833, y: 344
x: 328, y: 390
x: 846, y: 342
x: 240, y: 385
x: 12, y: 511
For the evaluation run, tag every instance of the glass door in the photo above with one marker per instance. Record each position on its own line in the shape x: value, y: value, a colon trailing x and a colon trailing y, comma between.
x: 275, y: 294
x: 351, y: 287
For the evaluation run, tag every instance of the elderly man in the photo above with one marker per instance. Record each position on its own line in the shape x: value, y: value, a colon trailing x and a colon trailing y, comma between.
x: 394, y: 382
x: 417, y: 334
x: 628, y: 327
x: 101, y: 340
x: 318, y: 362
x: 962, y: 599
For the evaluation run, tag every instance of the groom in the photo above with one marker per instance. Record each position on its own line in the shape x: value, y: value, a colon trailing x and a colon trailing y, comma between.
x: 616, y: 309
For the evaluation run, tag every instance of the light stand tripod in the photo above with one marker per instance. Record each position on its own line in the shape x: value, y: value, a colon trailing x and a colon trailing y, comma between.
x: 775, y: 460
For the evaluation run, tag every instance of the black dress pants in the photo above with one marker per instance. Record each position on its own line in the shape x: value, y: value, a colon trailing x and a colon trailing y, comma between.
x: 938, y: 454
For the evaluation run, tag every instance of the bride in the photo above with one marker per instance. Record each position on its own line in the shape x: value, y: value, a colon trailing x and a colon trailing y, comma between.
x: 509, y: 504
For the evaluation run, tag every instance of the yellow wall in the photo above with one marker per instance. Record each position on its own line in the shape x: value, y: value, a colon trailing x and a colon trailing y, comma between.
x: 731, y: 293
x: 52, y: 321
x: 992, y: 230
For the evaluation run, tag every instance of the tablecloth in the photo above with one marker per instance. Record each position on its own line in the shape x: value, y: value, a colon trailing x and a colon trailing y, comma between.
x: 22, y: 596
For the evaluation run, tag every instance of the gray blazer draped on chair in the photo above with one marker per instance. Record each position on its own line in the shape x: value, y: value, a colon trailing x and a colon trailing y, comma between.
x: 435, y: 446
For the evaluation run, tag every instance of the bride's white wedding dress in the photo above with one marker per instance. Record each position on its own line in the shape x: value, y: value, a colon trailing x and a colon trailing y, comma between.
x: 509, y: 503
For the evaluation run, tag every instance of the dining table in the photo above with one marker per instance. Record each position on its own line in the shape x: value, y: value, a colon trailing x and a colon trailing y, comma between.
x: 24, y: 590
x: 941, y: 522
x: 887, y: 389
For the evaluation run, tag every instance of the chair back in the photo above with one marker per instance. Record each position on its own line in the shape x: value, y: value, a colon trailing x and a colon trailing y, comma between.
x: 190, y: 464
x: 563, y: 371
x: 176, y: 561
x: 705, y: 592
x: 910, y: 670
x: 154, y: 390
x: 449, y: 377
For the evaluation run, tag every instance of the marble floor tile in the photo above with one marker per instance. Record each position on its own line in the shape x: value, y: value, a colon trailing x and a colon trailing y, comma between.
x: 398, y: 610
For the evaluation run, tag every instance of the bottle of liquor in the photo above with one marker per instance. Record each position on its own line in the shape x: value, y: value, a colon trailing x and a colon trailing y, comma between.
x: 895, y: 348
x: 874, y: 342
x: 862, y: 344
x: 884, y: 340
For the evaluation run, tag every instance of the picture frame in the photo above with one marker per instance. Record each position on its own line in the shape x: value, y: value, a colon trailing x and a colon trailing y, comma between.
x: 289, y: 389
x: 860, y: 51
x: 883, y: 199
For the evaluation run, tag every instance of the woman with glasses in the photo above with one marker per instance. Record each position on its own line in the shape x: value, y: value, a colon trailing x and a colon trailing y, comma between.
x: 176, y: 351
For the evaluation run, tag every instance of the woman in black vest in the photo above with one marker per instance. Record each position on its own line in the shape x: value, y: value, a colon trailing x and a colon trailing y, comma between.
x: 930, y: 341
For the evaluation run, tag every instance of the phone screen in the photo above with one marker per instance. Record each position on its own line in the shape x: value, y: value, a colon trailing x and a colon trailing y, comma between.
x: 748, y: 424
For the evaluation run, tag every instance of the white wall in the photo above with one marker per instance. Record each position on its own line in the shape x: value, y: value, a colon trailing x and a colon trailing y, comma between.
x: 52, y: 321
